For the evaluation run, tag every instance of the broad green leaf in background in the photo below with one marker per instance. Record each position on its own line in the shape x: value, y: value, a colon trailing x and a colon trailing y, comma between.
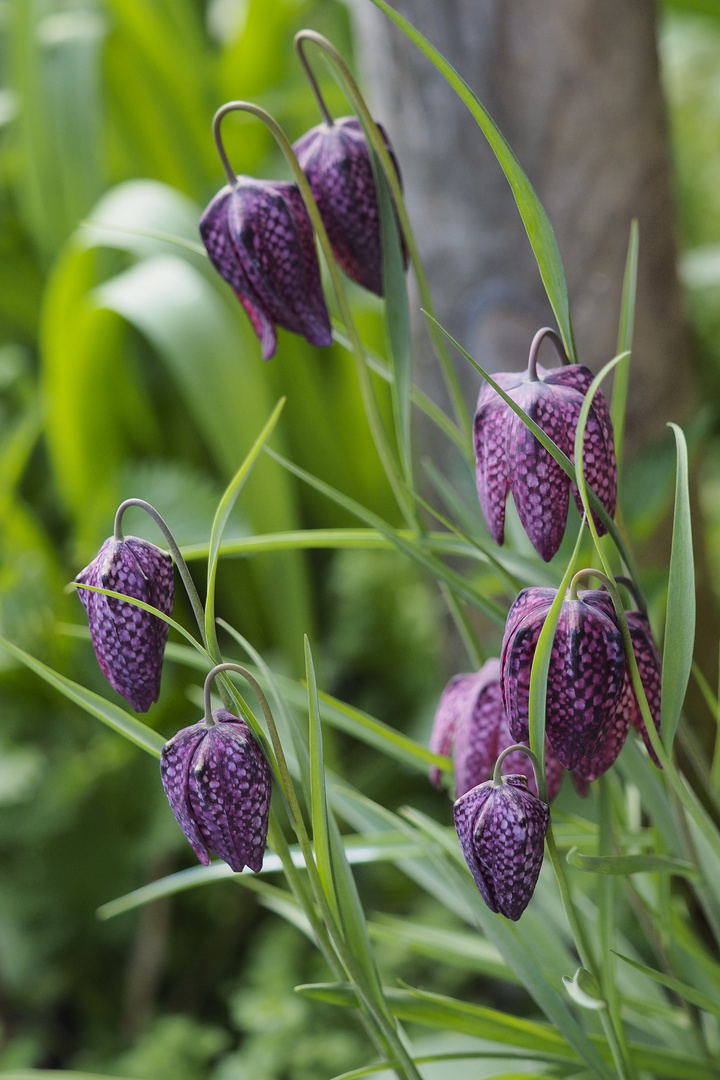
x: 539, y: 229
x: 631, y: 864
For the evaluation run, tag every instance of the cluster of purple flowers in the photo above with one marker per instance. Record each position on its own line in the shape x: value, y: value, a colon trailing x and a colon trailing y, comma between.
x: 259, y: 236
x: 260, y: 239
x: 214, y: 773
x: 590, y: 700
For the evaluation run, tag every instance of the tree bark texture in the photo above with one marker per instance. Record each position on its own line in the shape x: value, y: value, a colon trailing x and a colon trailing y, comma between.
x: 574, y: 87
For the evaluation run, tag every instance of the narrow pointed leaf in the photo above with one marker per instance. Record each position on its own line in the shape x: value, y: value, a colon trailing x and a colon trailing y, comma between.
x: 680, y: 619
x: 632, y: 864
x: 318, y: 799
x: 689, y: 993
x: 112, y: 715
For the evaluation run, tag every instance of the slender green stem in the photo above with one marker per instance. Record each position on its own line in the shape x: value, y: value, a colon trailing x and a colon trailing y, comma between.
x: 310, y: 76
x: 450, y: 378
x: 182, y: 566
x: 545, y: 332
x: 368, y: 394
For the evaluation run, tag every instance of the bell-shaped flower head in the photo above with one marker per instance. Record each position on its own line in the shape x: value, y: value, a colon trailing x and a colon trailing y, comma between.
x: 218, y: 784
x: 335, y: 159
x: 260, y: 240
x: 470, y: 723
x: 509, y: 458
x: 501, y: 829
x: 586, y: 673
x: 129, y: 643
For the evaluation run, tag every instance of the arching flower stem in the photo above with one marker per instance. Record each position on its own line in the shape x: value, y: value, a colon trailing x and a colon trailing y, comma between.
x: 452, y: 383
x: 310, y: 75
x: 545, y: 332
x: 182, y: 566
x: 371, y: 406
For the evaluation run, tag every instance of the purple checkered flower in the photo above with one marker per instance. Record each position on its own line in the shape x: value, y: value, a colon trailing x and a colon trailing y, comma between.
x: 586, y: 673
x: 336, y: 162
x: 129, y: 642
x: 259, y: 238
x: 470, y: 723
x: 501, y: 828
x: 509, y: 458
x: 218, y: 785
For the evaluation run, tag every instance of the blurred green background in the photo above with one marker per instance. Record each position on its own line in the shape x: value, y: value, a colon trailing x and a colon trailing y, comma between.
x: 127, y: 368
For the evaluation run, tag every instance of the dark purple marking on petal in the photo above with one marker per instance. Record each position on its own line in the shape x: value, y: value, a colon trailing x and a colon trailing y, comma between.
x: 129, y: 643
x: 175, y: 761
x: 540, y: 487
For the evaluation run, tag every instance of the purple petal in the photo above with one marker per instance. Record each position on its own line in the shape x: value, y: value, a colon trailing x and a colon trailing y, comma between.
x: 336, y: 162
x: 587, y: 667
x: 522, y: 630
x: 539, y: 486
x: 129, y: 643
x: 491, y: 459
x: 229, y: 793
x: 455, y: 701
x: 476, y: 738
x: 600, y: 466
x: 650, y: 669
x: 272, y: 235
x: 175, y: 762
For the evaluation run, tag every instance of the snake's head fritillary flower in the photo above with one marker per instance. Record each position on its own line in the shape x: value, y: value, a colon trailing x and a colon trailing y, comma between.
x: 336, y: 162
x: 470, y: 723
x: 501, y: 828
x: 585, y: 676
x: 129, y: 643
x: 218, y: 784
x: 260, y: 240
x: 509, y: 458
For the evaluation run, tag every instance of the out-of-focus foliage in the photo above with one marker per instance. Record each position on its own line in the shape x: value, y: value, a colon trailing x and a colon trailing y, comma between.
x: 127, y: 368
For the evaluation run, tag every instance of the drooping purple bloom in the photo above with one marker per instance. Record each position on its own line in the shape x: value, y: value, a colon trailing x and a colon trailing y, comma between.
x: 509, y: 458
x: 586, y: 672
x: 260, y: 239
x: 129, y: 642
x: 470, y: 723
x: 218, y: 785
x: 502, y: 829
x: 336, y: 162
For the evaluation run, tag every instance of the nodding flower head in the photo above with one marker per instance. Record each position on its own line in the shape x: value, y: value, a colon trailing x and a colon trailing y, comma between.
x: 336, y: 162
x: 585, y: 677
x: 501, y: 829
x: 510, y: 458
x: 260, y: 240
x: 470, y: 723
x: 129, y: 643
x: 218, y: 785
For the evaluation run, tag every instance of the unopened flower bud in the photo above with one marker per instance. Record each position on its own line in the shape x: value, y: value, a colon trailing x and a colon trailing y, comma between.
x: 501, y: 828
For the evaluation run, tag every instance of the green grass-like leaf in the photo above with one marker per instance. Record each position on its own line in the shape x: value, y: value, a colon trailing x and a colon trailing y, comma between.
x: 112, y: 715
x: 632, y: 864
x: 689, y: 993
x: 318, y: 798
x: 680, y: 618
x: 224, y: 510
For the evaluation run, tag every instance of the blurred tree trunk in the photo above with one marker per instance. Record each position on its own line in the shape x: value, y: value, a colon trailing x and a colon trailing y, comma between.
x: 574, y: 87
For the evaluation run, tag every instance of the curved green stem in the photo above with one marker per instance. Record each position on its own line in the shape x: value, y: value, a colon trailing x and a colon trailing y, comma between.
x: 545, y: 332
x: 182, y: 566
x: 450, y: 378
x: 369, y: 400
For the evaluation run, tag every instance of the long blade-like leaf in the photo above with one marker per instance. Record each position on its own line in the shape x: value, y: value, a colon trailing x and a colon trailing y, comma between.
x: 112, y: 715
x: 680, y: 620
